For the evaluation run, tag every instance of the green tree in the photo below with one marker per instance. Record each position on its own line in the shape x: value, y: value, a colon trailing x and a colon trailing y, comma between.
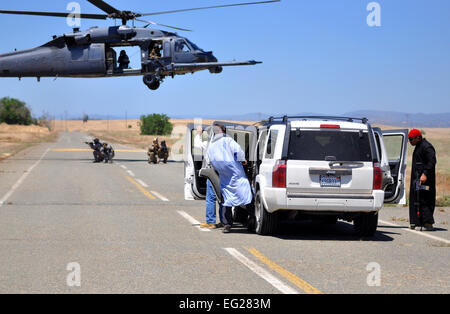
x: 85, y: 118
x: 14, y: 111
x: 156, y: 124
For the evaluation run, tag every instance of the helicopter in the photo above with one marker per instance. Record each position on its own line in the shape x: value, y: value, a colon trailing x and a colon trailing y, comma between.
x: 91, y: 54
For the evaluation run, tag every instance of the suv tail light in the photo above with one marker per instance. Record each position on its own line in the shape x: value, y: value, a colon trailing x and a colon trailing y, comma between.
x: 377, y: 177
x: 279, y: 174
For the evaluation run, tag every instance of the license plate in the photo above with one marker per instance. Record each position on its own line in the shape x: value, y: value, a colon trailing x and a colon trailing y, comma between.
x: 330, y: 181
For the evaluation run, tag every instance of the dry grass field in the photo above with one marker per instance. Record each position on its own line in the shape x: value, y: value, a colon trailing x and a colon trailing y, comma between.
x: 14, y: 138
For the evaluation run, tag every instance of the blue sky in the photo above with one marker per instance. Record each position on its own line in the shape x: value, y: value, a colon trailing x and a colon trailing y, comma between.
x: 319, y: 56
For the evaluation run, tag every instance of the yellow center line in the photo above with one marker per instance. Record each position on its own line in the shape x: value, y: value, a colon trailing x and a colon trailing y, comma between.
x: 303, y: 285
x: 144, y: 191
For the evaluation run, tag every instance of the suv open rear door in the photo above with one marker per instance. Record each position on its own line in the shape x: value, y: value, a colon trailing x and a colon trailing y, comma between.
x: 194, y: 185
x: 396, y: 144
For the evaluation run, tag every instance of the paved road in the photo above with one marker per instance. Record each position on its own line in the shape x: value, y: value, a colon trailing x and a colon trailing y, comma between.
x: 128, y: 229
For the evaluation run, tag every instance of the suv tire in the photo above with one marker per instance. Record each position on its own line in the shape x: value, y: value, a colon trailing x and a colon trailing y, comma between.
x: 366, y: 224
x: 266, y: 223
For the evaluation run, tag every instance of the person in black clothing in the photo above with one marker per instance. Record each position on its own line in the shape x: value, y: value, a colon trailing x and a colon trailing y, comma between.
x: 423, y: 172
x: 97, y: 147
x: 124, y: 60
x: 163, y: 152
x: 108, y: 153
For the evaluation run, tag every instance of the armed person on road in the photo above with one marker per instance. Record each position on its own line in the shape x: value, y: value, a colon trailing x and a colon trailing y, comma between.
x: 108, y: 153
x: 153, y: 152
x: 97, y: 147
x: 163, y: 153
x: 422, y: 194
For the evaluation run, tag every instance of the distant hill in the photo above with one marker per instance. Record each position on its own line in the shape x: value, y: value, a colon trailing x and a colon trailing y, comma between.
x: 430, y: 120
x: 401, y: 119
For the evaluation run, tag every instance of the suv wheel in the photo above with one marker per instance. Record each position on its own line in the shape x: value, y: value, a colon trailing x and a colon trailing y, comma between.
x: 366, y: 224
x: 266, y: 223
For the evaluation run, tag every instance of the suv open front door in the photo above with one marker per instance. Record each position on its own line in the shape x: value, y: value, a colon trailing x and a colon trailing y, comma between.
x: 194, y: 185
x: 246, y: 136
x: 396, y: 143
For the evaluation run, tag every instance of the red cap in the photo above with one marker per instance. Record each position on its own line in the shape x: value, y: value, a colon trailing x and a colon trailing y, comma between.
x: 414, y: 133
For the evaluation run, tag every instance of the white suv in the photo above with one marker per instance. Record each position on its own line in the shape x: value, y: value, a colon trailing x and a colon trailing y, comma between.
x: 328, y: 168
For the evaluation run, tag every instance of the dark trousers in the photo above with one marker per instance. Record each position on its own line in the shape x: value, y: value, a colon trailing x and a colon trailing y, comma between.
x: 227, y: 213
x: 227, y: 216
x: 426, y: 209
x: 98, y: 156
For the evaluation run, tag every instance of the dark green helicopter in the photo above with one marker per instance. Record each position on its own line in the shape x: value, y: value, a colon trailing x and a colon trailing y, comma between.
x: 90, y: 53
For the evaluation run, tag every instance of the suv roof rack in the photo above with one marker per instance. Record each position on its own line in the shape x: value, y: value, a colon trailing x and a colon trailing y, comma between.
x: 285, y: 119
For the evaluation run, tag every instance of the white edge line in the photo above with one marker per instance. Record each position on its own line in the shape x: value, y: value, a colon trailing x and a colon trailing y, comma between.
x: 261, y: 272
x: 123, y: 167
x: 131, y: 173
x: 142, y: 183
x: 21, y: 179
x: 424, y: 234
x: 192, y: 220
x: 162, y: 198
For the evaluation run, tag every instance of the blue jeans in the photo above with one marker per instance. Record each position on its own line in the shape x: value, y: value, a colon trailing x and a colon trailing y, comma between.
x: 211, y: 200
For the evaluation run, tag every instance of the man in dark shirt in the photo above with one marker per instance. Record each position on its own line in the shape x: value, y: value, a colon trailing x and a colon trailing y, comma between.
x: 422, y: 201
x: 124, y: 60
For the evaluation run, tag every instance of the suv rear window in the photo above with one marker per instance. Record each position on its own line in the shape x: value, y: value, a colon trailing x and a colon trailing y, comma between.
x: 317, y: 145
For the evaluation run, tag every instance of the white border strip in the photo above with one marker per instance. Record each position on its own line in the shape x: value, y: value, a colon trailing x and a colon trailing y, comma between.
x: 142, y: 183
x: 192, y: 220
x: 162, y: 198
x: 261, y: 272
x: 21, y: 179
x: 423, y: 233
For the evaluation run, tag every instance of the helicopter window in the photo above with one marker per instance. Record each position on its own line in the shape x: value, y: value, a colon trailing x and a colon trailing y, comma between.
x: 155, y: 50
x: 194, y: 45
x: 182, y: 46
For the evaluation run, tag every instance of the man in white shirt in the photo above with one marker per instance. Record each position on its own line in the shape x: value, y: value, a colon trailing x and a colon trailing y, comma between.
x: 211, y: 198
x: 228, y: 158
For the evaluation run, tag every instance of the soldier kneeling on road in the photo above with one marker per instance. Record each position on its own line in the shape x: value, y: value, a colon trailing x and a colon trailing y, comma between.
x: 153, y: 152
x: 163, y: 153
x: 97, y: 147
x: 108, y: 153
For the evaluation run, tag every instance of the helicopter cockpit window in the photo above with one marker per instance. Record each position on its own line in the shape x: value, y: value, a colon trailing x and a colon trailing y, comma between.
x: 194, y: 45
x: 182, y: 46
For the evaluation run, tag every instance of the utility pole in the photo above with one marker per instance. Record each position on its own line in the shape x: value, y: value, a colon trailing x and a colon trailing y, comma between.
x: 65, y: 119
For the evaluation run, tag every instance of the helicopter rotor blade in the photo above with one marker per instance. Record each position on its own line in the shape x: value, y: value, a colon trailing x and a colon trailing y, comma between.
x: 154, y: 23
x: 210, y: 7
x: 57, y: 14
x: 102, y: 5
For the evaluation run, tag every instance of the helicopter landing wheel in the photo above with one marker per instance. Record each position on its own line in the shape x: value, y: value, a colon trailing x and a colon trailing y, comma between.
x: 152, y: 82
